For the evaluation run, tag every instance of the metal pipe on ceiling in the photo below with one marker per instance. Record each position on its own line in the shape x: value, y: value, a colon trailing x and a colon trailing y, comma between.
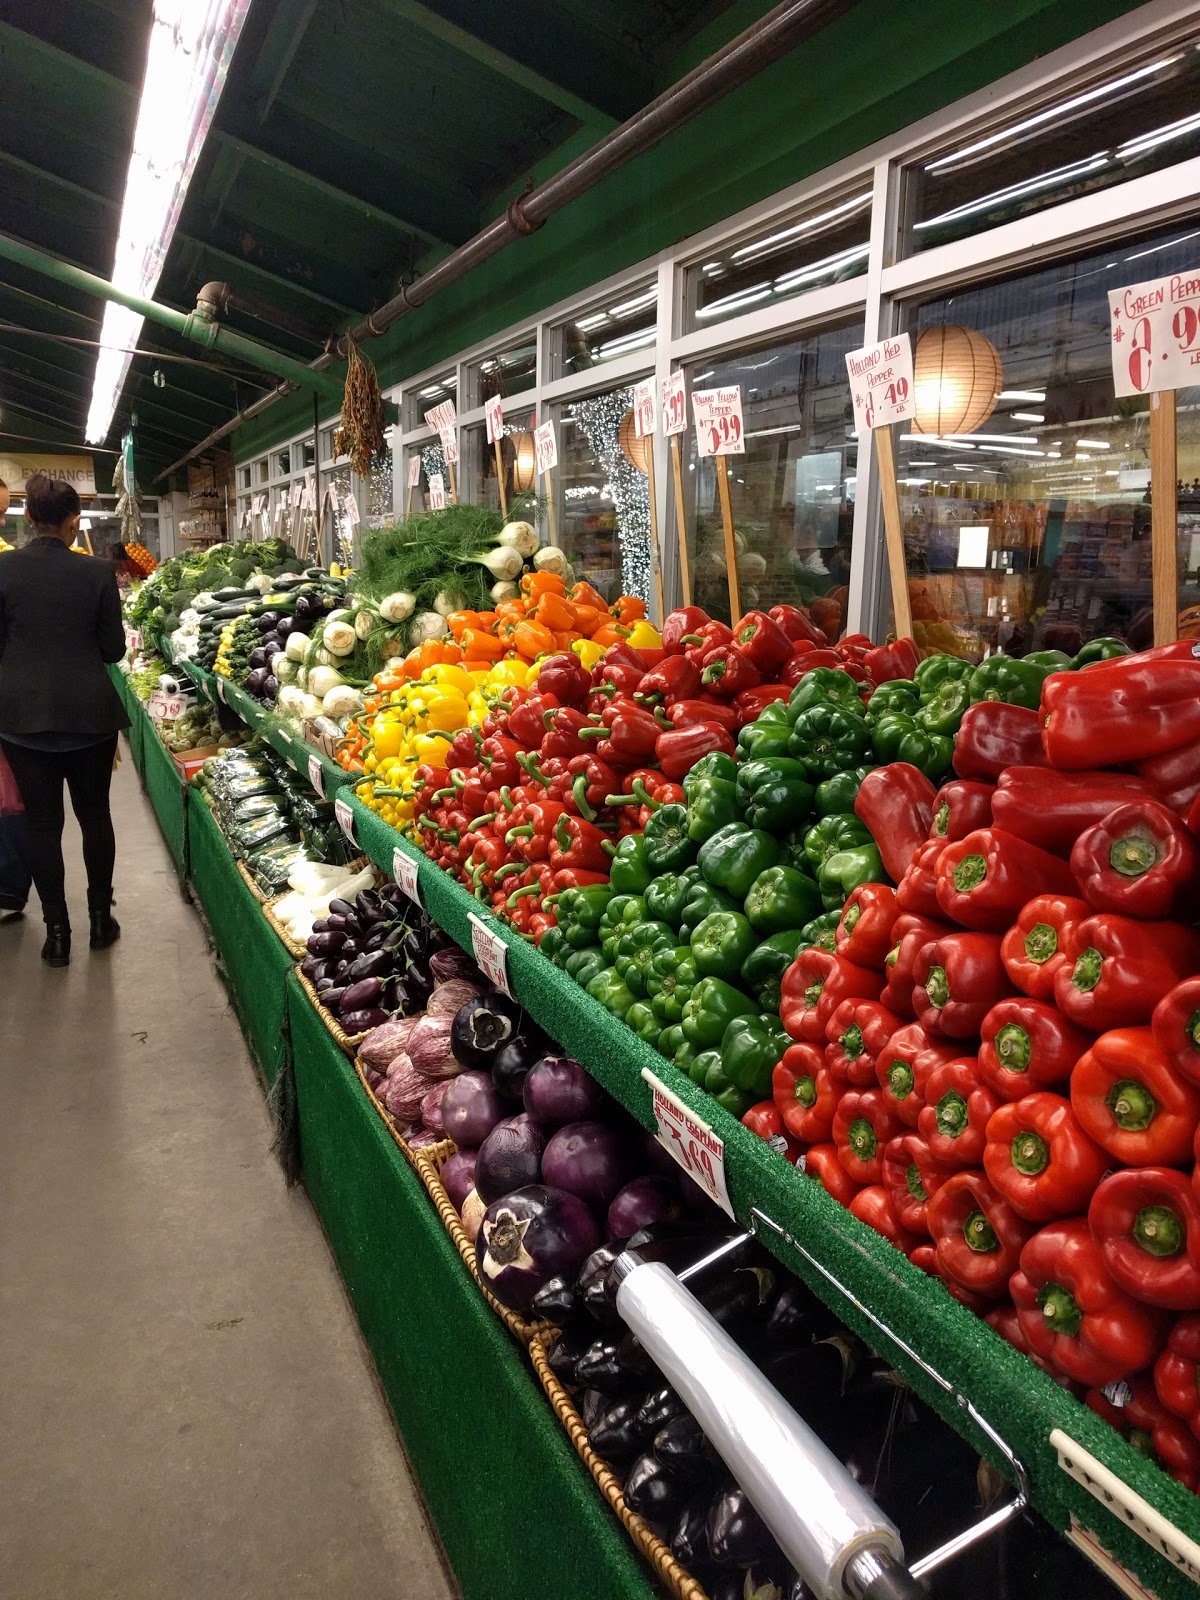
x: 781, y: 29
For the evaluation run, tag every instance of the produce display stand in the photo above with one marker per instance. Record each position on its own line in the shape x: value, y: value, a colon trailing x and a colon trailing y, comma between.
x: 167, y: 792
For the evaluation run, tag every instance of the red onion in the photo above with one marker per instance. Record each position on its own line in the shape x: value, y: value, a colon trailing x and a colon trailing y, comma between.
x: 384, y: 1043
x: 429, y: 1047
x: 431, y: 1107
x: 447, y: 997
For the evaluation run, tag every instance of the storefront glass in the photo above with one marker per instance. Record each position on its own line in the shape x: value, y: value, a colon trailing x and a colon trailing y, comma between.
x: 619, y: 326
x: 516, y: 454
x: 602, y: 494
x: 508, y: 371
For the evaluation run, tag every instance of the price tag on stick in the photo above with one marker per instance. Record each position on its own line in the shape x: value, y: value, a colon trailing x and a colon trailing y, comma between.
x: 643, y: 408
x: 881, y: 382
x: 493, y: 416
x: 345, y: 818
x: 718, y: 414
x: 545, y: 447
x: 437, y: 492
x: 674, y: 405
x: 491, y: 953
x: 404, y: 870
x: 414, y: 470
x: 316, y: 775
x: 1155, y: 334
x: 690, y: 1141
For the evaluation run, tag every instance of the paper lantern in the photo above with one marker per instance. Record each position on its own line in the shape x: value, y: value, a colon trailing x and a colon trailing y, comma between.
x: 524, y: 470
x: 957, y: 377
x: 636, y: 451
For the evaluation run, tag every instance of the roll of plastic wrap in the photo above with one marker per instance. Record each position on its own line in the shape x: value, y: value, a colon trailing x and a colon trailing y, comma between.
x: 820, y: 1517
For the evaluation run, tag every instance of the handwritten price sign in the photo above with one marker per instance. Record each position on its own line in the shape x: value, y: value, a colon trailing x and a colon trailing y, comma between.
x: 493, y: 416
x: 316, y: 775
x: 404, y: 870
x: 546, y: 447
x: 718, y: 414
x: 345, y: 818
x: 674, y: 404
x: 414, y: 471
x: 1155, y: 334
x: 449, y: 439
x: 297, y: 494
x: 437, y: 492
x: 881, y: 381
x: 491, y: 954
x: 643, y: 407
x: 441, y: 417
x: 350, y: 508
x: 690, y: 1142
x: 309, y: 500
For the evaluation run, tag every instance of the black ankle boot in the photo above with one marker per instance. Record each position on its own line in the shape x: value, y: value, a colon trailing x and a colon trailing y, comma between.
x: 56, y: 952
x: 104, y: 928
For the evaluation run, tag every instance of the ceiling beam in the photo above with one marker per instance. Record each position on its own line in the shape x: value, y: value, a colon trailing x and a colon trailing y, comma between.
x: 18, y: 359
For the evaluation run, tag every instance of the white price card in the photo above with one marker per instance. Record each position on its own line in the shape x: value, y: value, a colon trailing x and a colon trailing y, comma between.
x: 674, y: 404
x: 441, y: 417
x: 881, y: 381
x: 316, y: 775
x: 154, y: 706
x: 414, y: 470
x: 404, y: 870
x: 690, y: 1141
x: 297, y: 495
x: 133, y: 638
x: 174, y: 705
x: 350, y: 508
x: 437, y: 492
x: 221, y: 690
x: 643, y: 407
x: 345, y: 818
x: 493, y: 416
x: 718, y: 414
x: 491, y: 953
x: 308, y: 500
x: 449, y: 438
x: 1155, y: 334
x: 545, y: 447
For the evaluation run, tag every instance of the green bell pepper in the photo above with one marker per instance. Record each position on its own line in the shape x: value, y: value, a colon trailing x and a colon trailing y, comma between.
x: 553, y: 945
x: 1052, y: 660
x: 624, y: 910
x: 734, y: 857
x: 716, y: 1083
x: 580, y: 911
x: 839, y: 792
x: 1105, y: 649
x: 751, y: 1048
x: 826, y: 739
x: 943, y: 711
x: 714, y: 765
x: 669, y: 1041
x: 767, y: 735
x: 668, y: 845
x: 898, y: 738
x: 637, y: 948
x: 1000, y: 677
x: 781, y: 898
x: 670, y: 978
x: 713, y: 804
x: 722, y: 942
x: 899, y: 694
x: 764, y: 967
x: 702, y: 901
x: 709, y: 1009
x: 840, y: 874
x: 644, y: 1023
x: 667, y: 895
x: 820, y: 931
x: 584, y: 965
x: 700, y: 1064
x: 843, y: 831
x: 628, y: 872
x: 773, y: 793
x: 936, y: 669
x: 608, y: 988
x: 825, y: 686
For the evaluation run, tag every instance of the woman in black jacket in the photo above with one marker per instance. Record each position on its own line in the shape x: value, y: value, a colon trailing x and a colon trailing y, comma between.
x: 60, y: 621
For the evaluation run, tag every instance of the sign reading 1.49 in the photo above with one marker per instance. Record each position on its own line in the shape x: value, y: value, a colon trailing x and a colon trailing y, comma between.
x: 1155, y: 334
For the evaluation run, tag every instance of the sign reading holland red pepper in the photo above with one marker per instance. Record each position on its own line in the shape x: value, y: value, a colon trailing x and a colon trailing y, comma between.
x: 1155, y: 334
x: 718, y: 414
x: 881, y: 382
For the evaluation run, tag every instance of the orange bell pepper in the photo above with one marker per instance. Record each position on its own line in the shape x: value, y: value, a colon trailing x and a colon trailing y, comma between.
x: 627, y: 609
x: 480, y: 646
x: 536, y: 584
x: 555, y: 612
x: 459, y: 621
x: 584, y: 595
x: 610, y: 633
x: 588, y: 619
x: 532, y: 640
x: 564, y: 638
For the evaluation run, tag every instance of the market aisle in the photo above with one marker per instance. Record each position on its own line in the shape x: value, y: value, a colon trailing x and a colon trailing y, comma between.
x: 187, y: 1407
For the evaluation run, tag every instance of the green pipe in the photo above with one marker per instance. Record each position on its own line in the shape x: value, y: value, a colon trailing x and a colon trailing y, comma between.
x: 192, y: 325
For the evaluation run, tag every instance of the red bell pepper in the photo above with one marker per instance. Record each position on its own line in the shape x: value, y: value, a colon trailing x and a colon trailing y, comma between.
x: 1176, y: 1028
x: 857, y: 1031
x: 526, y: 722
x: 1146, y: 1221
x: 708, y: 636
x: 911, y: 1176
x: 726, y: 670
x: 585, y: 785
x: 959, y: 807
x: 804, y: 661
x: 898, y: 659
x: 875, y: 1207
x: 925, y: 1257
x: 763, y: 642
x: 1040, y: 1159
x: 565, y: 678
x: 1027, y: 1045
x: 993, y: 735
x: 862, y: 1125
x: 700, y: 713
x: 956, y: 982
x: 1051, y: 809
x: 976, y: 1233
x: 864, y: 934
x: 619, y: 671
x: 1122, y: 969
x: 896, y: 804
x: 1145, y: 1423
x: 917, y: 889
x: 532, y: 837
x: 1119, y: 711
x: 806, y: 1093
x: 1041, y: 942
x: 1140, y: 860
x: 985, y: 879
x: 463, y: 748
x: 679, y: 750
x: 1074, y: 1315
x: 677, y: 678
x: 765, y: 1120
x: 903, y: 1066
x: 910, y: 933
x: 677, y: 624
x: 751, y: 703
x: 1133, y: 1103
x: 1175, y: 776
x: 958, y: 1107
x: 561, y: 736
x: 823, y: 1165
x: 627, y: 735
x: 1177, y: 1372
x: 797, y: 624
x: 579, y: 843
x: 815, y: 985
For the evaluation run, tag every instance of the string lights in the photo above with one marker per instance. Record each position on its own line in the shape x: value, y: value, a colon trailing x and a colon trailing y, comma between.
x: 628, y: 489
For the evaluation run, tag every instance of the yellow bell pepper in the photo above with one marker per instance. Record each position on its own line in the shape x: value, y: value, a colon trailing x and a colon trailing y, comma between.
x: 387, y: 736
x: 645, y: 636
x: 513, y: 671
x: 588, y: 652
x: 431, y: 748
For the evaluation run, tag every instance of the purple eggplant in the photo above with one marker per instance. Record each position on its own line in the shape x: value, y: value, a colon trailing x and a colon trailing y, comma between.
x: 558, y: 1090
x: 326, y: 944
x: 531, y: 1236
x: 362, y: 993
x: 482, y: 1028
x: 588, y: 1158
x: 331, y: 999
x: 361, y: 1021
x: 509, y: 1158
x: 375, y: 964
x: 471, y: 1109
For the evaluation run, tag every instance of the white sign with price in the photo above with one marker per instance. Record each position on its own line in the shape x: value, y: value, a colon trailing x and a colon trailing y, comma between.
x: 493, y: 416
x: 441, y: 417
x: 221, y: 690
x: 316, y: 775
x: 404, y: 870
x: 165, y: 707
x: 345, y: 818
x: 437, y: 492
x: 545, y: 447
x: 690, y: 1141
x: 674, y: 405
x: 881, y: 381
x: 350, y: 508
x: 491, y: 953
x: 1155, y: 334
x: 133, y: 639
x: 718, y: 414
x: 643, y: 407
x: 449, y: 445
x: 414, y: 471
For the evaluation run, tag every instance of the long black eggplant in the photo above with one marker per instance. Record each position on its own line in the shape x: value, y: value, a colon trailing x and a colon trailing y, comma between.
x: 681, y: 1444
x: 737, y: 1535
x: 600, y: 1367
x: 689, y: 1536
x: 563, y: 1359
x: 558, y: 1303
x: 592, y: 1405
x: 653, y: 1491
x: 660, y: 1407
x: 593, y: 1288
x: 614, y: 1434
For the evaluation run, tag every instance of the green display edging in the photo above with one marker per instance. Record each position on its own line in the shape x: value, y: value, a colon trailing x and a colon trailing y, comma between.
x: 517, y: 1512
x: 168, y: 795
x: 1019, y: 1400
x: 255, y: 962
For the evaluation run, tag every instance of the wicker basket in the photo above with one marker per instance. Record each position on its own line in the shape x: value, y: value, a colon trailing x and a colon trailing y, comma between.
x: 429, y: 1164
x: 295, y: 950
x: 344, y: 1041
x: 444, y: 1147
x: 670, y: 1574
x: 248, y: 880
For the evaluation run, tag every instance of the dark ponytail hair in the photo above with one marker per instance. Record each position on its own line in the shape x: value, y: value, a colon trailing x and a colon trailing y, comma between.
x: 49, y: 501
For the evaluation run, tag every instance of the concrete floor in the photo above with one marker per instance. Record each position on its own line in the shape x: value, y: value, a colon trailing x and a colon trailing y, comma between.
x: 186, y: 1406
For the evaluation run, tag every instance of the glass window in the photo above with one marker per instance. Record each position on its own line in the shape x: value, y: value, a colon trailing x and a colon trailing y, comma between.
x: 602, y: 494
x: 307, y: 453
x: 262, y: 471
x: 516, y: 454
x: 1138, y: 118
x: 379, y: 492
x: 783, y: 260
x: 1027, y: 522
x: 418, y: 401
x: 243, y: 477
x: 792, y: 492
x: 508, y: 371
x: 615, y: 327
x: 283, y: 463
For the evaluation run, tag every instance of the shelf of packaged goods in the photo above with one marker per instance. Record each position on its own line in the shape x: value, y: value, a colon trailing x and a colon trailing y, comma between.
x: 951, y: 1357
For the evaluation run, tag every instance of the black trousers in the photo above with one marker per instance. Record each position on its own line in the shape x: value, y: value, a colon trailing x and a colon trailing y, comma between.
x: 87, y: 773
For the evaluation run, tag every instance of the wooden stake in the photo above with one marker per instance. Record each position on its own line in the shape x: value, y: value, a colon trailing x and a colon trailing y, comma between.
x: 894, y: 533
x: 735, y: 599
x: 1163, y: 517
x: 453, y: 483
x: 500, y: 478
x: 551, y: 508
x: 408, y: 501
x: 655, y: 553
x: 681, y: 532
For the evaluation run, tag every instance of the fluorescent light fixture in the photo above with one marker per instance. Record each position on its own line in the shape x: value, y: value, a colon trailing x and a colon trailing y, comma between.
x: 433, y: 388
x: 924, y: 463
x: 914, y: 482
x: 586, y: 324
x: 628, y: 307
x: 1028, y: 416
x: 1021, y: 394
x: 942, y: 444
x: 994, y: 438
x: 1140, y: 255
x: 701, y: 377
x: 843, y: 258
x: 1092, y: 444
x: 191, y: 45
x: 1164, y: 135
x: 810, y: 225
x: 1016, y: 191
x: 630, y: 341
x: 973, y: 545
x: 734, y: 302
